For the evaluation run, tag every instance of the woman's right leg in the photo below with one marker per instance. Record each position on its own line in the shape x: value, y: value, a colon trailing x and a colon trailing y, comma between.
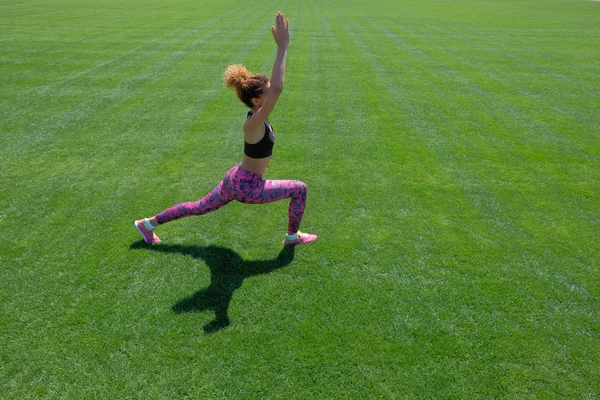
x: 216, y: 199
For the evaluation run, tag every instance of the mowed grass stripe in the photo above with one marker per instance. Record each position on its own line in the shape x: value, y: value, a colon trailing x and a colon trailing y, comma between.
x: 337, y: 130
x: 543, y: 90
x: 546, y: 91
x: 431, y: 181
x: 142, y: 65
x: 535, y: 43
x: 415, y: 172
x: 499, y: 212
x: 143, y: 59
x: 332, y: 135
x: 361, y: 136
x: 507, y: 91
x: 486, y: 38
x: 122, y: 36
x: 398, y: 279
x: 542, y: 156
x: 517, y: 50
x: 552, y: 135
x: 566, y: 141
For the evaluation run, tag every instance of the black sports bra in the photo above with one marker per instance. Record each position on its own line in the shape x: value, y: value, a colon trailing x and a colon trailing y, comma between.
x: 264, y: 147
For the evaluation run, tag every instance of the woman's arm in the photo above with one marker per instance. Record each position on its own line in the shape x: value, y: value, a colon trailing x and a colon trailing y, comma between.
x: 282, y: 39
x: 281, y: 34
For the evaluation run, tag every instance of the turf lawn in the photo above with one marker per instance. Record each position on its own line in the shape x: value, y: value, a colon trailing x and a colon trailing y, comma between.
x: 452, y: 155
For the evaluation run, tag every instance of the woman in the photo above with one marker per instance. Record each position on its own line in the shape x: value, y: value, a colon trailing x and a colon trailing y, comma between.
x: 244, y: 182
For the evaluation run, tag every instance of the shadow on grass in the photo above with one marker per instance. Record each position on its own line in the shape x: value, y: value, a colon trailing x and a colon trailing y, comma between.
x: 227, y: 273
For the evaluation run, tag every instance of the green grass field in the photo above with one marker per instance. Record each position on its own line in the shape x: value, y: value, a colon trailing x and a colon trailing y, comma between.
x: 452, y: 155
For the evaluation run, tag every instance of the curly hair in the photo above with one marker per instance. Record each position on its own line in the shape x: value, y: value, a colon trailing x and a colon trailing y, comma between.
x: 248, y: 86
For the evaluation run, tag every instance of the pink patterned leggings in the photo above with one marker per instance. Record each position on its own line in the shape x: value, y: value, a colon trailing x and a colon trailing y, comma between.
x: 245, y: 187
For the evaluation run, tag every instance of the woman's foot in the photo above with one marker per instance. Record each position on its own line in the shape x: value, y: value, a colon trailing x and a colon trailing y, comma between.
x: 149, y: 236
x: 301, y: 238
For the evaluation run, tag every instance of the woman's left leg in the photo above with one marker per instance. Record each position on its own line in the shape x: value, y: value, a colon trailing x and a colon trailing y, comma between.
x: 274, y: 190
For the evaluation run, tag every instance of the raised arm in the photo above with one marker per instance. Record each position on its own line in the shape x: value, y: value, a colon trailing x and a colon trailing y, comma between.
x: 281, y: 34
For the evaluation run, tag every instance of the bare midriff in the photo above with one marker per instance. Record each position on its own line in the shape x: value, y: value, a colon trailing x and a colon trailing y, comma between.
x: 255, y: 165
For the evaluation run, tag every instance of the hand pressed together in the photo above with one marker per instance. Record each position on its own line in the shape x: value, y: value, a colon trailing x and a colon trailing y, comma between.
x: 281, y: 31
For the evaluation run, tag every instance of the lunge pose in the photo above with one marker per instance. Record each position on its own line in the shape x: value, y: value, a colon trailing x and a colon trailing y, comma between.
x: 245, y: 182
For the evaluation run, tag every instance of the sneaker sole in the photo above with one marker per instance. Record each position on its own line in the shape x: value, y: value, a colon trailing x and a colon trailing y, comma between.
x: 297, y: 243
